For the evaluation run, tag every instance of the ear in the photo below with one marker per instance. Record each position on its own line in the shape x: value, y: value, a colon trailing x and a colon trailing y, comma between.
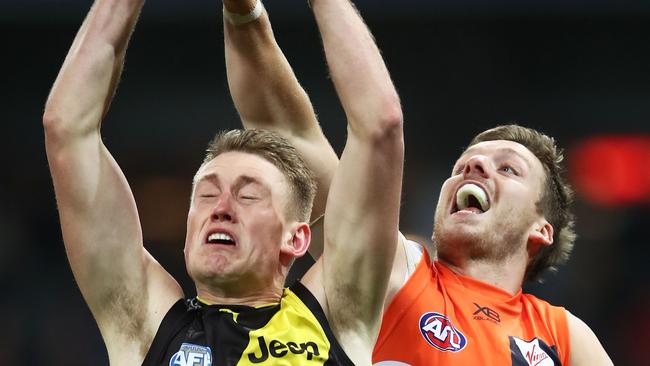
x: 297, y: 244
x: 541, y: 234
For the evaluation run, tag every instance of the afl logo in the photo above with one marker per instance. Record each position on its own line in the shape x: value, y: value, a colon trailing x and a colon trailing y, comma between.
x: 438, y: 331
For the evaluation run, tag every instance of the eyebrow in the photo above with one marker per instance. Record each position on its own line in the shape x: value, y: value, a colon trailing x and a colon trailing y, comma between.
x: 209, y: 177
x: 239, y: 182
x: 247, y: 179
x: 509, y: 150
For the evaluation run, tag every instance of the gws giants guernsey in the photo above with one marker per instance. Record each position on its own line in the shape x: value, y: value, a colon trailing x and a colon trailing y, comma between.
x: 293, y: 332
x: 441, y: 318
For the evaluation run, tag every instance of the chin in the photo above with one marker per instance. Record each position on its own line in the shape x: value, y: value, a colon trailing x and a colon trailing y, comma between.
x: 458, y: 240
x: 210, y: 269
x: 476, y: 245
x: 458, y: 232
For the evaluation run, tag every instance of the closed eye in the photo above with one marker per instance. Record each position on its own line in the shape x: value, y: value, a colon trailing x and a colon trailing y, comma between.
x: 248, y: 197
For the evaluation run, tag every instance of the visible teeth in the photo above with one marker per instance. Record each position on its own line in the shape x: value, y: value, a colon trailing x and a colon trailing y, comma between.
x: 464, y: 193
x: 219, y: 236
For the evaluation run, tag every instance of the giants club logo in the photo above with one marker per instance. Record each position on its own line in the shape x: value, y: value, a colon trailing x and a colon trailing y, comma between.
x: 439, y: 332
x: 532, y: 353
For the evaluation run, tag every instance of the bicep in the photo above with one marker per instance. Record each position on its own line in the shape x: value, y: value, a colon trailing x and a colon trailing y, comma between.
x: 361, y: 232
x: 586, y: 349
x: 99, y: 219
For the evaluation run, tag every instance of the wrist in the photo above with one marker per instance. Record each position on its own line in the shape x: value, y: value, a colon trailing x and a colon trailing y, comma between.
x: 237, y: 16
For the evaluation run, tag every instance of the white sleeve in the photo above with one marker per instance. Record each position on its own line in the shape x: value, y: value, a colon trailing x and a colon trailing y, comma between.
x: 413, y: 252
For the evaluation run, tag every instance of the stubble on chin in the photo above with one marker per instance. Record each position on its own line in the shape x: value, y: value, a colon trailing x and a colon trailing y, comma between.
x: 495, y: 244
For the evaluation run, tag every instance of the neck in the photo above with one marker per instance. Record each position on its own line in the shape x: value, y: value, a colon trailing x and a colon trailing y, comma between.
x: 241, y: 292
x: 505, y: 273
x: 250, y: 299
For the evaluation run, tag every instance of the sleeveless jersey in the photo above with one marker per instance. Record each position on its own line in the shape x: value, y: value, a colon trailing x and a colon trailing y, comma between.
x: 293, y: 332
x: 441, y: 318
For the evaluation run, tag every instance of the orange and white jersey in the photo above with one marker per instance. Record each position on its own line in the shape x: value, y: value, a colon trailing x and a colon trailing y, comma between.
x: 441, y: 318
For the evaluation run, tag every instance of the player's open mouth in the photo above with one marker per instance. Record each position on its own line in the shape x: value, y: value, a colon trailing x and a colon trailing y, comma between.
x: 471, y: 197
x: 220, y: 238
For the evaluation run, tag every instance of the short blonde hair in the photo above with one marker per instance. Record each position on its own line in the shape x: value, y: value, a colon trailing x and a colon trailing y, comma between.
x: 279, y: 152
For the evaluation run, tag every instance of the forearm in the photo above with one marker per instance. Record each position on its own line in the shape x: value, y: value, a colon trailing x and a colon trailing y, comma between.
x: 264, y: 88
x: 87, y: 80
x: 357, y: 69
x: 267, y: 95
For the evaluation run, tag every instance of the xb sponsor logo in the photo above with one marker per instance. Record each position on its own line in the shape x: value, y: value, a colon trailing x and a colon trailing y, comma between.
x: 439, y: 332
x: 192, y: 355
x: 485, y: 313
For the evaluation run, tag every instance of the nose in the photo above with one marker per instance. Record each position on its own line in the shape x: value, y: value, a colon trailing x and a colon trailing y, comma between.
x: 222, y: 211
x: 477, y: 164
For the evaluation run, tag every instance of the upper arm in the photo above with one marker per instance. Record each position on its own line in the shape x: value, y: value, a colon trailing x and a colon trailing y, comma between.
x: 586, y: 350
x: 101, y: 232
x: 350, y: 279
x: 403, y: 266
x: 99, y: 219
x: 361, y: 219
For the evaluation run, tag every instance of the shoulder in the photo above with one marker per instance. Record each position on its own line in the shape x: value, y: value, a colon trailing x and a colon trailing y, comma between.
x: 407, y: 258
x: 135, y: 329
x: 307, y: 319
x: 414, y: 252
x: 585, y: 347
x: 178, y: 317
x: 552, y: 317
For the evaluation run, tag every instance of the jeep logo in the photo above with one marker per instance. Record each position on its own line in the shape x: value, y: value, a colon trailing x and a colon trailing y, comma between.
x: 278, y: 349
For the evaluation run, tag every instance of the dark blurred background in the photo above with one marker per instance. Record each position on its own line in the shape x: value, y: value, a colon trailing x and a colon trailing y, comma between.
x: 578, y: 70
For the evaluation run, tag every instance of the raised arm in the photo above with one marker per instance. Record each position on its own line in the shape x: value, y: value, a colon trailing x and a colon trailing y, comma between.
x: 362, y: 213
x: 120, y: 282
x: 267, y: 95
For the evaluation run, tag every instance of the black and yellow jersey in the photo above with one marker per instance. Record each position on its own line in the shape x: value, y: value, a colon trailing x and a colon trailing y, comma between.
x: 293, y: 332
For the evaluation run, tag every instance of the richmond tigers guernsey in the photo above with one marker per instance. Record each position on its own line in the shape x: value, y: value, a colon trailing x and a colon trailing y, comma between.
x: 293, y: 332
x: 441, y: 318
